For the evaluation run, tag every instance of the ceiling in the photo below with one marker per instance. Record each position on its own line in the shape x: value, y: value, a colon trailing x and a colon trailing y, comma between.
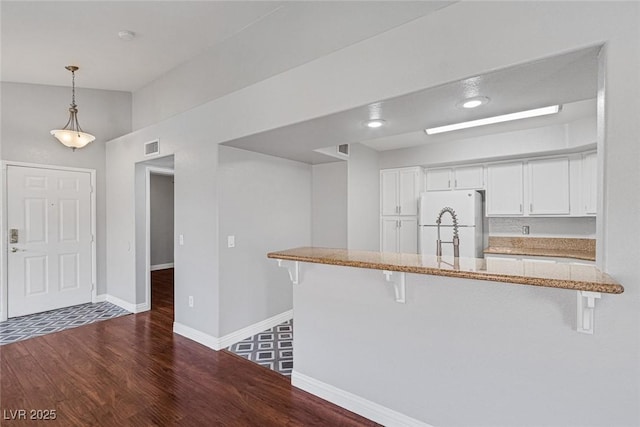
x: 39, y: 38
x: 560, y: 79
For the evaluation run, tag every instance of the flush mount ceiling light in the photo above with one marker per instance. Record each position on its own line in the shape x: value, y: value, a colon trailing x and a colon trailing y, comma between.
x: 72, y: 135
x: 496, y: 119
x: 374, y: 123
x: 126, y: 35
x: 474, y: 102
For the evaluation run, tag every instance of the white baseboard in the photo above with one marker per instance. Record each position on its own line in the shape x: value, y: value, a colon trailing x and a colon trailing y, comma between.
x: 99, y: 298
x: 256, y: 328
x: 234, y: 337
x: 133, y: 308
x: 354, y: 403
x: 161, y: 266
x: 197, y: 336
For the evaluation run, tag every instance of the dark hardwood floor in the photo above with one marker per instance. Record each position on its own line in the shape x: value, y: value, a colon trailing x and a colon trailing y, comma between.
x: 133, y: 371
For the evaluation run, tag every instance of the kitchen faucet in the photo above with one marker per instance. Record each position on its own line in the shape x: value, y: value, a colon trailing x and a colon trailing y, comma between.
x: 456, y: 239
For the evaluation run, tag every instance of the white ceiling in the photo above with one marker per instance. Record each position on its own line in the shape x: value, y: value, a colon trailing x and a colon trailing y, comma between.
x: 557, y: 80
x: 39, y: 38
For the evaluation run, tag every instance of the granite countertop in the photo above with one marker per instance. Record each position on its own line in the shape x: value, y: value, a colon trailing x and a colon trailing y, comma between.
x: 584, y: 249
x: 553, y: 275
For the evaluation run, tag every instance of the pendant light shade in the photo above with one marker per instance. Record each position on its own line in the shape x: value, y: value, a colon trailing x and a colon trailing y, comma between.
x: 72, y: 135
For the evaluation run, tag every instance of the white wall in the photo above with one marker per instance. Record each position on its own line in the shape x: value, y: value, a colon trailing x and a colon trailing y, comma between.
x: 161, y: 219
x: 363, y: 212
x: 464, y: 352
x: 265, y: 202
x: 30, y: 111
x: 329, y: 203
x: 398, y: 62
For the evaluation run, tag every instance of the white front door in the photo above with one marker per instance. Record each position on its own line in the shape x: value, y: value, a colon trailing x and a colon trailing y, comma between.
x: 49, y: 246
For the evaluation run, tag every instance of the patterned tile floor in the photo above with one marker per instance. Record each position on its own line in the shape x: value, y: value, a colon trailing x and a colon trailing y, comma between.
x: 272, y: 348
x: 35, y: 325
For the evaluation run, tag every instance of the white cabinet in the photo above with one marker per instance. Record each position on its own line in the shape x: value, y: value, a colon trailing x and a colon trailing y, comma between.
x: 549, y: 186
x: 459, y: 178
x: 590, y: 183
x: 505, y: 191
x: 400, y: 190
x: 468, y: 178
x: 399, y: 193
x: 438, y: 179
x: 389, y: 182
x: 399, y: 234
x: 408, y: 191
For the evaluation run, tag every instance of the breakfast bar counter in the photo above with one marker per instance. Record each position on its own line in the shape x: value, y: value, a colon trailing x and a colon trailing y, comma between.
x: 554, y: 275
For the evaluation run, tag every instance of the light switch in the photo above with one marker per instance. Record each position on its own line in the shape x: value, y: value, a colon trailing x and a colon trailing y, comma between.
x: 181, y: 239
x: 231, y: 241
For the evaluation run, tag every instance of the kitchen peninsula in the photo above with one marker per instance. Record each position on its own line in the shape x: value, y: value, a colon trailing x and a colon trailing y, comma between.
x: 378, y: 319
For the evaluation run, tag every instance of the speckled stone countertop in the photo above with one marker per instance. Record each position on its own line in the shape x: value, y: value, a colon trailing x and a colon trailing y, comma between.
x: 543, y: 246
x: 553, y: 275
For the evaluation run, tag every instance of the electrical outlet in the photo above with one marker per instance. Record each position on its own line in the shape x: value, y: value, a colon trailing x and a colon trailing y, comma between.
x: 190, y: 301
x: 231, y: 241
x: 525, y: 229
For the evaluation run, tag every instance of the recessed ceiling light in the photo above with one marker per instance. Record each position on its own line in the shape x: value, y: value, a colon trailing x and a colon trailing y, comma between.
x: 474, y: 102
x: 126, y: 35
x: 496, y: 119
x: 375, y: 123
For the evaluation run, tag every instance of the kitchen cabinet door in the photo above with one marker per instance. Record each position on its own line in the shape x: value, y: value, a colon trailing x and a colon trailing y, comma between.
x: 389, y: 234
x: 468, y: 178
x: 590, y: 183
x: 505, y: 189
x: 408, y: 235
x: 549, y: 186
x: 389, y: 182
x: 408, y: 192
x: 438, y: 179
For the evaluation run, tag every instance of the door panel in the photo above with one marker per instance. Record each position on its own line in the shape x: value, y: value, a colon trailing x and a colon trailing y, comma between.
x: 36, y: 275
x: 50, y: 265
x: 69, y: 271
x: 36, y: 220
x: 69, y: 221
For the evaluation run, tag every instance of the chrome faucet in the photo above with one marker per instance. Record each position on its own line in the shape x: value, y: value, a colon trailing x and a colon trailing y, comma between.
x: 456, y: 239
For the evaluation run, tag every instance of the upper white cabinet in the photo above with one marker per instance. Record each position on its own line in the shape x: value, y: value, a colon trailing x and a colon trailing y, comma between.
x: 389, y: 181
x: 438, y: 179
x: 400, y: 190
x: 549, y: 186
x: 459, y: 178
x: 590, y: 182
x: 505, y: 191
x: 468, y: 178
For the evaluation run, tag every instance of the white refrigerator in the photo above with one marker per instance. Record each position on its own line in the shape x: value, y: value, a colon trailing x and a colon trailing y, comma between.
x: 467, y: 205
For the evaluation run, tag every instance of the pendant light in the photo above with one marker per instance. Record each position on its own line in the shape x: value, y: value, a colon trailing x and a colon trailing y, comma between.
x: 72, y: 135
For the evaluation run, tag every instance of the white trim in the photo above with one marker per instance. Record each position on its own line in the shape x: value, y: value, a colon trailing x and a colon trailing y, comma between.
x: 147, y: 248
x: 197, y: 336
x: 99, y: 298
x: 4, y: 277
x: 354, y: 403
x: 256, y: 328
x: 161, y: 266
x: 234, y: 337
x: 133, y: 308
